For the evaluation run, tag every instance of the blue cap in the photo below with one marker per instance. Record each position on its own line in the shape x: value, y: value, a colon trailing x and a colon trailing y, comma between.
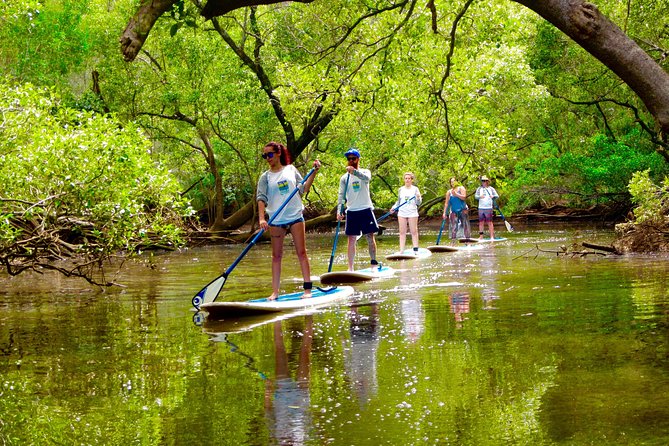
x: 352, y: 151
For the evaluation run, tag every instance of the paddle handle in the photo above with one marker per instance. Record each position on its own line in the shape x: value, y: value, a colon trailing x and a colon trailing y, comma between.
x: 441, y: 230
x: 384, y: 216
x: 506, y: 223
x: 336, y: 237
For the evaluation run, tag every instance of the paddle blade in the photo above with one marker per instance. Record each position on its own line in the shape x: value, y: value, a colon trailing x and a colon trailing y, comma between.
x: 508, y: 226
x: 210, y: 292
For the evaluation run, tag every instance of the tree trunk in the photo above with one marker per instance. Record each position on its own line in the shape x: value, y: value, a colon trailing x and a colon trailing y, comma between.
x: 139, y: 27
x: 584, y: 24
x: 219, y: 220
x: 239, y: 218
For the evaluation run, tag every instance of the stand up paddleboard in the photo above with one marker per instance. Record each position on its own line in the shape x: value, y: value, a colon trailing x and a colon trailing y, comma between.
x: 409, y: 254
x: 481, y: 240
x: 361, y: 275
x: 443, y: 248
x: 285, y: 302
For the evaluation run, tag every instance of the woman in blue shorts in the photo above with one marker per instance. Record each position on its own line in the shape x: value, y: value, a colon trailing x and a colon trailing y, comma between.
x: 274, y: 185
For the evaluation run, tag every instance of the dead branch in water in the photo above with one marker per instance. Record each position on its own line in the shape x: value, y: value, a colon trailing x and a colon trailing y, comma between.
x: 563, y: 251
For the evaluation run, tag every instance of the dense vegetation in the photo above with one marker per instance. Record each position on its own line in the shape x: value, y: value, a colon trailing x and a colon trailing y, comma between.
x: 449, y: 89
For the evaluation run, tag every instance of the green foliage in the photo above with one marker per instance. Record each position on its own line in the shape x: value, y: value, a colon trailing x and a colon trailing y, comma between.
x: 651, y: 200
x: 57, y: 163
x: 597, y: 172
x: 513, y: 104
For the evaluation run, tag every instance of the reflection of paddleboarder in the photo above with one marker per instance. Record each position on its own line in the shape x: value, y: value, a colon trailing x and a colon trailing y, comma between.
x: 459, y: 301
x: 411, y: 307
x: 360, y: 354
x: 287, y: 400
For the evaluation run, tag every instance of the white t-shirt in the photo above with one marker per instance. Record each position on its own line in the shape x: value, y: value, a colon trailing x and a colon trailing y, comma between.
x: 485, y: 196
x: 357, y: 195
x: 410, y: 208
x: 274, y: 188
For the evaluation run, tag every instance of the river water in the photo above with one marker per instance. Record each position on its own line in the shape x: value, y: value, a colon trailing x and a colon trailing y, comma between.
x: 507, y: 344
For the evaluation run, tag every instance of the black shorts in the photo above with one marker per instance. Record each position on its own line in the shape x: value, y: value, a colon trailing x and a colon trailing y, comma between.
x: 361, y: 222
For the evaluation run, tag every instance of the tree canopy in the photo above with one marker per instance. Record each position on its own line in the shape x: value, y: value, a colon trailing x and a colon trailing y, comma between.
x: 553, y: 100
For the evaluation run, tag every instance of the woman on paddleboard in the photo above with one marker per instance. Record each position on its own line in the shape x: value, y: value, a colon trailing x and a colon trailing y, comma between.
x: 408, y: 200
x: 274, y: 185
x: 456, y: 209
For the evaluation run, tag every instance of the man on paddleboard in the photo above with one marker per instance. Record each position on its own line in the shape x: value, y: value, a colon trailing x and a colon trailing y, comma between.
x: 486, y: 195
x: 360, y: 218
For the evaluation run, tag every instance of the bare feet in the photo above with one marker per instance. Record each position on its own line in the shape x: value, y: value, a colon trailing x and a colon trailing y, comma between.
x: 273, y: 296
x: 307, y: 294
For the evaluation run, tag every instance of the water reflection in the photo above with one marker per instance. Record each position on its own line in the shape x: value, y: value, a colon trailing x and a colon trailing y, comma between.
x: 590, y: 366
x: 489, y: 272
x: 360, y: 351
x: 411, y: 307
x: 287, y: 399
x: 459, y: 302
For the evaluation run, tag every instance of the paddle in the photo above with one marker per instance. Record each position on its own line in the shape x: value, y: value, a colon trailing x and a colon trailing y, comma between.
x: 506, y: 223
x: 210, y: 292
x: 384, y: 216
x: 441, y: 229
x: 334, y: 244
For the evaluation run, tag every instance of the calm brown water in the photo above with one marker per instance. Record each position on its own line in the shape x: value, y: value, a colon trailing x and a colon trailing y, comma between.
x: 502, y: 345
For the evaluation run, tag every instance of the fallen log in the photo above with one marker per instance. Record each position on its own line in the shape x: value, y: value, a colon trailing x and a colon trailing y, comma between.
x: 610, y: 249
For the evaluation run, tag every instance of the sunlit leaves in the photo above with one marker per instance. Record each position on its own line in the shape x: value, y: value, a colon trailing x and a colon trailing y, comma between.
x: 61, y: 162
x: 651, y: 199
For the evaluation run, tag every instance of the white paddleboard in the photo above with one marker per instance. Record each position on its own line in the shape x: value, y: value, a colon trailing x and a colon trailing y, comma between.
x: 361, y: 275
x: 285, y: 302
x: 409, y: 254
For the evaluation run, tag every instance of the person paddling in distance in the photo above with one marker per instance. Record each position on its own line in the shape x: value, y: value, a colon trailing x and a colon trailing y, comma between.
x: 360, y: 218
x: 408, y: 200
x: 273, y: 185
x: 486, y: 195
x: 456, y: 209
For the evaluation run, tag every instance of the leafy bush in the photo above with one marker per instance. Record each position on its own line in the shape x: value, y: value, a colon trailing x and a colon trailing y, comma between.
x: 88, y: 177
x: 596, y: 173
x: 652, y: 201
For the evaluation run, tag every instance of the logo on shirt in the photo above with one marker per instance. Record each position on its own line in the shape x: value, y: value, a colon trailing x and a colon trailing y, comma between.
x: 356, y: 186
x: 283, y: 187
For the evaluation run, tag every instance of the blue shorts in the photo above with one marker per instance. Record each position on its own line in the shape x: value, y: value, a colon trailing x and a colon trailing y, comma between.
x: 361, y: 222
x: 485, y: 215
x: 287, y: 226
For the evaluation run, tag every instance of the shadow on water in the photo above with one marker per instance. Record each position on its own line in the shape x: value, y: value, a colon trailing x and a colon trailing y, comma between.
x: 491, y: 346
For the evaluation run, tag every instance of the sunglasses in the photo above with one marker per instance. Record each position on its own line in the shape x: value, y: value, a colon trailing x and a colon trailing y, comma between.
x: 351, y: 158
x: 268, y: 155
